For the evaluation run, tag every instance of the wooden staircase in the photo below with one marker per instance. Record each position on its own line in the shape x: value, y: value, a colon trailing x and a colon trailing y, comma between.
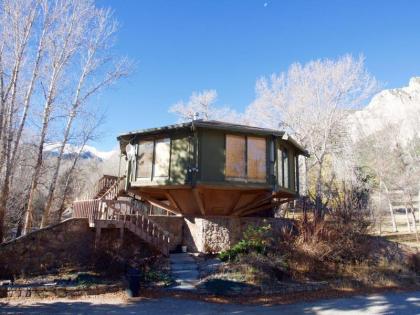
x: 106, y: 210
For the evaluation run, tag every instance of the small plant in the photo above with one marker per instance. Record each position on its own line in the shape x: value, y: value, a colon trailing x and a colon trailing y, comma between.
x: 256, y: 239
x: 157, y: 276
x: 87, y: 279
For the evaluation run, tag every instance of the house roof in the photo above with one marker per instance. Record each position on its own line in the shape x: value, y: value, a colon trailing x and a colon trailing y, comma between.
x: 213, y: 124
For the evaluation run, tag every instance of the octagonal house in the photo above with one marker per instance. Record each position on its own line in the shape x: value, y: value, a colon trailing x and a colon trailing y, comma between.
x: 211, y: 168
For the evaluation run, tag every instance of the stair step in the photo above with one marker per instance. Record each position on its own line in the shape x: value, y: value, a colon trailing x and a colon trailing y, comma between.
x: 181, y: 257
x: 184, y: 270
x: 186, y: 274
x: 191, y: 266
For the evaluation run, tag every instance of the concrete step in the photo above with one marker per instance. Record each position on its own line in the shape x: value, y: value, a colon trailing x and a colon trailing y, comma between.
x: 184, y: 266
x: 184, y: 271
x: 186, y: 274
x: 183, y: 287
x: 181, y: 257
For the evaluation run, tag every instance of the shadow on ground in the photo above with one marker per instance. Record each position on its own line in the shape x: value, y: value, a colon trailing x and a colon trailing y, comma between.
x: 391, y: 303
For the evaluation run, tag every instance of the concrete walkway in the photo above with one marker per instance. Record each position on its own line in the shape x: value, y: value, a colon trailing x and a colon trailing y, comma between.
x: 184, y: 271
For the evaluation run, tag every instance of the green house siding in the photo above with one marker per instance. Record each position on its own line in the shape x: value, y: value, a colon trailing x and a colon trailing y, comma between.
x: 181, y: 157
x: 198, y: 156
x: 211, y: 149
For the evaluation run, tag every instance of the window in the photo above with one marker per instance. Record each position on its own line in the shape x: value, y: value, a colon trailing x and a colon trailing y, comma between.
x: 235, y: 156
x: 256, y: 156
x: 246, y: 157
x: 297, y: 173
x: 280, y: 172
x: 153, y: 156
x: 145, y: 159
x: 162, y: 155
x: 285, y: 162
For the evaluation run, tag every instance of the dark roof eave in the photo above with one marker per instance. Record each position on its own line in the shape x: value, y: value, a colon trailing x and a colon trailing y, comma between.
x: 154, y: 130
x: 218, y: 126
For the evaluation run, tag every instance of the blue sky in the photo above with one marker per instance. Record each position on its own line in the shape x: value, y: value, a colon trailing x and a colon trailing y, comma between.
x: 185, y: 46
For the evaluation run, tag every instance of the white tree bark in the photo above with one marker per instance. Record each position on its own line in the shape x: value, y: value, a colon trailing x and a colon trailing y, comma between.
x: 391, y: 209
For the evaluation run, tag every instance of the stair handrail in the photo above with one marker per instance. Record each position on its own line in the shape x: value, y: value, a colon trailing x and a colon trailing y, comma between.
x: 134, y: 218
x: 113, y: 191
x: 158, y: 236
x: 134, y: 208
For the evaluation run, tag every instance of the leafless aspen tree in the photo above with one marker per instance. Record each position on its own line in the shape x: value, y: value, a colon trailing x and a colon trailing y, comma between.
x: 201, y: 105
x: 93, y: 59
x: 311, y: 102
x: 54, y: 57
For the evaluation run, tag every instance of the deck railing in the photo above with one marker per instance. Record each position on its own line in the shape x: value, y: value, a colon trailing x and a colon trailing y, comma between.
x: 114, y: 190
x: 87, y: 209
x: 130, y: 213
x: 101, y: 187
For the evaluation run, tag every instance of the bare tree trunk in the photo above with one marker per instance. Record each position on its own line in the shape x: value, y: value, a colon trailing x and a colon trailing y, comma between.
x: 414, y: 224
x: 408, y: 219
x: 391, y: 210
x: 78, y: 101
x: 39, y: 160
x: 413, y: 217
x: 318, y: 215
x: 3, y: 204
x: 67, y: 188
x: 30, y: 89
x: 51, y: 190
x: 27, y: 102
x: 58, y: 63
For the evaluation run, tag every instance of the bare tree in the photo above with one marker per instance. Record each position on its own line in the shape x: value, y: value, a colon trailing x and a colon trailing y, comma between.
x: 98, y: 70
x: 311, y: 102
x: 55, y: 55
x: 87, y: 133
x: 201, y: 105
x: 61, y: 48
x: 17, y: 20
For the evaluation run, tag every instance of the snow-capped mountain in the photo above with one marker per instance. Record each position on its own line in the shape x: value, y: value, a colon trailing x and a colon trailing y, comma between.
x: 89, y: 152
x: 397, y: 108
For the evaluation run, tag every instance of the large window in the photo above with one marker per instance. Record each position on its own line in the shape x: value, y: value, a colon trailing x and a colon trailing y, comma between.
x: 162, y: 155
x: 297, y: 173
x: 145, y: 159
x: 283, y: 168
x: 246, y: 157
x: 235, y: 156
x: 256, y: 154
x: 280, y: 171
x: 285, y: 162
x: 153, y: 156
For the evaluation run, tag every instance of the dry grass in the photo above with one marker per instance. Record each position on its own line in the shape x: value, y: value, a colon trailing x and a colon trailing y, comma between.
x: 382, y: 227
x: 338, y: 250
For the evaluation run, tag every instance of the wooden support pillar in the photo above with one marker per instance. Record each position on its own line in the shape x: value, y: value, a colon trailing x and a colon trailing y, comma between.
x: 97, y: 236
x: 122, y: 233
x: 199, y: 201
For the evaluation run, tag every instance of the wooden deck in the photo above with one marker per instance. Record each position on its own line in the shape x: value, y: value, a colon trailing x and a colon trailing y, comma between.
x: 107, y: 211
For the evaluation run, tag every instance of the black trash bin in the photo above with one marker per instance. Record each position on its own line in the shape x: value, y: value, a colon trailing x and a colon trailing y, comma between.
x: 133, y: 278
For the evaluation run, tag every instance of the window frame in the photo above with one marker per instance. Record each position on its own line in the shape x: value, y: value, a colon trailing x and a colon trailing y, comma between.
x: 152, y: 175
x: 138, y: 168
x: 285, y: 161
x: 244, y: 157
x: 155, y: 142
x: 297, y: 182
x: 246, y: 177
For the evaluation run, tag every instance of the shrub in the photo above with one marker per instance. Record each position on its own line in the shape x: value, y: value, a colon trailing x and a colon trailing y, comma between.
x: 255, y: 239
x: 414, y: 262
